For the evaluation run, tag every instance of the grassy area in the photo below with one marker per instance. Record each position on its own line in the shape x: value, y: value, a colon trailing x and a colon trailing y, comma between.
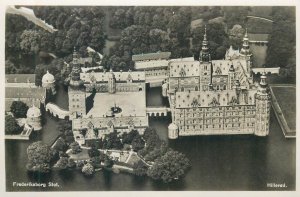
x: 286, y: 97
x: 83, y: 155
x: 133, y: 159
x: 258, y: 26
x: 261, y: 11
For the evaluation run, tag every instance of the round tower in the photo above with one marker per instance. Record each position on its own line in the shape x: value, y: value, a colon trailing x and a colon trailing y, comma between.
x: 48, y: 82
x: 262, y: 105
x: 34, y: 118
x: 173, y: 131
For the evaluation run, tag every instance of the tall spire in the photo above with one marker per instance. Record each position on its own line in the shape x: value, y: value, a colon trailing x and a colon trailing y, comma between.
x: 76, y: 69
x: 75, y: 56
x: 205, y: 42
x: 245, y: 48
x: 204, y: 53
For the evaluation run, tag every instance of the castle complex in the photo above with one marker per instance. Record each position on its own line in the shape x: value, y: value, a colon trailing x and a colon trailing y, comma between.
x: 217, y: 97
x: 207, y: 97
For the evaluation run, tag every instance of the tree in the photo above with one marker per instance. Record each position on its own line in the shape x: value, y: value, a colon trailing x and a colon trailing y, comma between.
x: 88, y: 169
x: 96, y: 161
x: 108, y: 163
x: 30, y: 42
x: 64, y: 125
x: 282, y: 39
x: 39, y: 157
x: 128, y: 137
x: 10, y: 68
x: 11, y: 126
x: 169, y: 167
x: 19, y: 109
x: 137, y: 143
x: 75, y: 147
x: 236, y: 35
x: 71, y: 163
x: 93, y: 152
x: 112, y: 141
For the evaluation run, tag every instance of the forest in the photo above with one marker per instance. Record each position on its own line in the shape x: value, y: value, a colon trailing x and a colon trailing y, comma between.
x: 135, y: 30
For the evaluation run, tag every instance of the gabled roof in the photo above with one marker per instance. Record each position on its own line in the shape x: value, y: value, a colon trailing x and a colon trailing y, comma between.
x: 196, y: 99
x: 184, y: 68
x: 119, y: 76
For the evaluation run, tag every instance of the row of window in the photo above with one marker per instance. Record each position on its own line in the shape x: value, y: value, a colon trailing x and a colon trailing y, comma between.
x: 211, y: 110
x: 190, y: 127
x: 215, y: 114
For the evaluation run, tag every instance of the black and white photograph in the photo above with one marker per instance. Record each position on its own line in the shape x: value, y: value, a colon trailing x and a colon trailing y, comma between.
x: 149, y: 97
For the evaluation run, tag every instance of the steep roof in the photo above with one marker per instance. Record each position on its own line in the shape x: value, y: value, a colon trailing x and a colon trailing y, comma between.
x: 210, y: 98
x: 23, y: 92
x: 151, y: 56
x: 20, y: 78
x: 184, y: 68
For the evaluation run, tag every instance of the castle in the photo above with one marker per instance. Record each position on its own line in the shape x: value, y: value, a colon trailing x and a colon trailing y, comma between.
x: 217, y: 97
x: 117, y: 102
x: 207, y: 97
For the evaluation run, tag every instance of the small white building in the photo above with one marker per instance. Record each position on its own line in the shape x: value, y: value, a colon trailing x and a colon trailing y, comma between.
x: 34, y: 117
x: 48, y: 82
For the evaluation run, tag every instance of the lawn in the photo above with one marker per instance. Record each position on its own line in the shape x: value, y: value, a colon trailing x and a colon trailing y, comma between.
x: 286, y: 97
x: 83, y: 155
x: 133, y: 159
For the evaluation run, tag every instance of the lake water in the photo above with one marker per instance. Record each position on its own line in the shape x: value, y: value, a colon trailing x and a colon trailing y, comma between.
x: 218, y: 162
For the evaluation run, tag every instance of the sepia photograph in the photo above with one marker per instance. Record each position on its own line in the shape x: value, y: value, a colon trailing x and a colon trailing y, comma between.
x: 149, y: 98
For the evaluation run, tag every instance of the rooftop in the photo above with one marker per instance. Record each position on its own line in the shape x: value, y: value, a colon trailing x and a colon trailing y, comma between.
x: 208, y: 98
x: 20, y: 78
x: 151, y: 56
x: 120, y: 76
x: 23, y: 92
x: 151, y: 64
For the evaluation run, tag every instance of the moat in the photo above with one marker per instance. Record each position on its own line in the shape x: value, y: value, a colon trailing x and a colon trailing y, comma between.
x: 237, y: 162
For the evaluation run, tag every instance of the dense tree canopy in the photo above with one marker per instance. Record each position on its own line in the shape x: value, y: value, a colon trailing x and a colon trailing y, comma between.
x: 19, y: 109
x: 88, y: 169
x: 282, y: 41
x: 75, y: 147
x: 39, y: 157
x: 112, y: 141
x: 11, y: 126
x: 169, y: 167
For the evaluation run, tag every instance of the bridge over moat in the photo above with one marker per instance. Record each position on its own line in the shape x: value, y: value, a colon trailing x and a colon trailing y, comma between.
x: 56, y: 111
x: 157, y: 111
